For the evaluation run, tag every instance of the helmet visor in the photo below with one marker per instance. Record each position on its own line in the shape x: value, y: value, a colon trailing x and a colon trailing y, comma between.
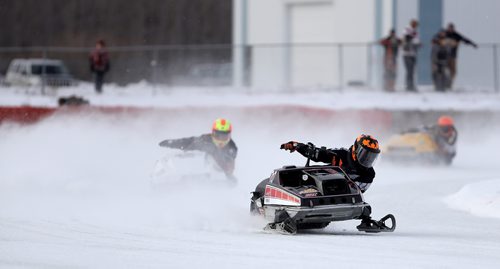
x: 366, y: 157
x: 446, y: 130
x: 221, y: 138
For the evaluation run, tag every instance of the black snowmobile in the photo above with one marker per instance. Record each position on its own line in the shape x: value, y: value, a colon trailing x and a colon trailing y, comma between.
x: 310, y: 197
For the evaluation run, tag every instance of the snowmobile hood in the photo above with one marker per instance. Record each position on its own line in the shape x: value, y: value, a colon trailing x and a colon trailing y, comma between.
x: 420, y: 142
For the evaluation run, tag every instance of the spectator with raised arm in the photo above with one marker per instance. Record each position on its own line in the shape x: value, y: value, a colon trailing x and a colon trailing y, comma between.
x: 455, y: 39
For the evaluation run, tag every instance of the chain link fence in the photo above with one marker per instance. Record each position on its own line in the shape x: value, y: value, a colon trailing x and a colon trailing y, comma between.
x: 281, y: 67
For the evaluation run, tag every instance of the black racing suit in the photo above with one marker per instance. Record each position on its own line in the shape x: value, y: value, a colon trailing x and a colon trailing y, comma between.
x: 344, y: 159
x: 224, y: 157
x: 446, y: 141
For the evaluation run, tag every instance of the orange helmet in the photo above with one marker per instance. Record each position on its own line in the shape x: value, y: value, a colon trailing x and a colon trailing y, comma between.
x: 365, y: 150
x: 446, y: 127
x: 445, y: 121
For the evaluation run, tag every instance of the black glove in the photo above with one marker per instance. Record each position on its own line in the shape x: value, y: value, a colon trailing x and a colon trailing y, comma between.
x: 310, y: 151
x: 291, y: 146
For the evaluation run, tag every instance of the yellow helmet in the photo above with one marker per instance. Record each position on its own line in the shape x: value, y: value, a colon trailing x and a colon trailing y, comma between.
x: 221, y: 132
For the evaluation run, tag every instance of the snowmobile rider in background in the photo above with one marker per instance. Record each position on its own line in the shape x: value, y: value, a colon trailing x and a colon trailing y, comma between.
x: 217, y: 144
x: 357, y: 161
x: 445, y: 135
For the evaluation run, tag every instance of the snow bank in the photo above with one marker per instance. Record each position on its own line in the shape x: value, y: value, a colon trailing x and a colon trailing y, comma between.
x: 147, y: 95
x: 480, y: 199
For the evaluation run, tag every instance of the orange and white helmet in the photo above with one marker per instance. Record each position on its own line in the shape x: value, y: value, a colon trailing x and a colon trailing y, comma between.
x: 446, y: 126
x: 221, y: 132
x: 365, y: 150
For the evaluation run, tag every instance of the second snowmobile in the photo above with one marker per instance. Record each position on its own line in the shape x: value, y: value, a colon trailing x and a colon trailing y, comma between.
x: 417, y: 147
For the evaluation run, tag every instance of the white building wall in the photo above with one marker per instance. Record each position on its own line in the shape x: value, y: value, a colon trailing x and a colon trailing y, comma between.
x: 479, y: 20
x: 406, y: 11
x: 309, y: 24
x: 387, y: 8
x: 310, y: 65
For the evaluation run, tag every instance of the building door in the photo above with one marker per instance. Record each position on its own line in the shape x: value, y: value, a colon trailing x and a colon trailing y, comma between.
x: 311, y: 60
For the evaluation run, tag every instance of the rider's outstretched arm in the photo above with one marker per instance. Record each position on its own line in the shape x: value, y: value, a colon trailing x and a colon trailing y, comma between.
x: 181, y: 143
x: 317, y: 154
x: 310, y: 151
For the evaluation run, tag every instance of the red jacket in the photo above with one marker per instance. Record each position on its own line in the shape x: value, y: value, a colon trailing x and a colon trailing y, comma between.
x: 99, y: 61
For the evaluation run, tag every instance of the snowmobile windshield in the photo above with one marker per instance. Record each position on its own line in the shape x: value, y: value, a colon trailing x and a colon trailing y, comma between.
x: 366, y: 157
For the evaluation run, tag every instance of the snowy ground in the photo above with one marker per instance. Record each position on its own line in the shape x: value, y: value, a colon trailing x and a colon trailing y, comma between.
x: 144, y: 95
x: 74, y: 192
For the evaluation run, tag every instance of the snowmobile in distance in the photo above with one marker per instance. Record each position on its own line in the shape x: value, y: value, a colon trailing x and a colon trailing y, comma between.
x: 176, y: 168
x: 417, y: 146
x: 310, y: 197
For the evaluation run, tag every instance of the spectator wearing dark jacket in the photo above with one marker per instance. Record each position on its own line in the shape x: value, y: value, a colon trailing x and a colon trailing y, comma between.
x: 440, y: 57
x: 99, y: 64
x: 391, y: 45
x: 455, y: 39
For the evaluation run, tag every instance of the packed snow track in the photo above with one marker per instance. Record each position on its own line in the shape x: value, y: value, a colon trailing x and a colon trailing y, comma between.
x: 75, y: 193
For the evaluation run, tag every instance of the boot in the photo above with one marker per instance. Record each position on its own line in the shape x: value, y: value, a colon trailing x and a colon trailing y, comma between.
x: 366, y: 223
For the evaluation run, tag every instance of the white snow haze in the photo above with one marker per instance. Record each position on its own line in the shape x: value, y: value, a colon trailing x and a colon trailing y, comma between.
x: 75, y: 192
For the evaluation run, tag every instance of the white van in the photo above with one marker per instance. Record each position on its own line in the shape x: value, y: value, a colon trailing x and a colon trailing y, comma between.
x: 30, y: 72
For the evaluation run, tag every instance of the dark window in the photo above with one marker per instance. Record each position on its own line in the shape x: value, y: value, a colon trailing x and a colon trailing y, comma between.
x: 49, y: 69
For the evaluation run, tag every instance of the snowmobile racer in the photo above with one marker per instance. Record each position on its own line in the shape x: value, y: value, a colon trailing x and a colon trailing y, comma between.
x: 357, y: 162
x: 445, y: 134
x: 435, y: 143
x: 218, y: 144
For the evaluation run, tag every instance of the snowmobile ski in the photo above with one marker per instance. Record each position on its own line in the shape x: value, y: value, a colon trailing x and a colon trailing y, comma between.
x: 379, y: 226
x: 287, y: 227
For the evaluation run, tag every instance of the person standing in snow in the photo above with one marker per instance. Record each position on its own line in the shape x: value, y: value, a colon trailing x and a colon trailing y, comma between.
x: 99, y: 64
x: 391, y: 45
x: 411, y: 43
x: 440, y: 57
